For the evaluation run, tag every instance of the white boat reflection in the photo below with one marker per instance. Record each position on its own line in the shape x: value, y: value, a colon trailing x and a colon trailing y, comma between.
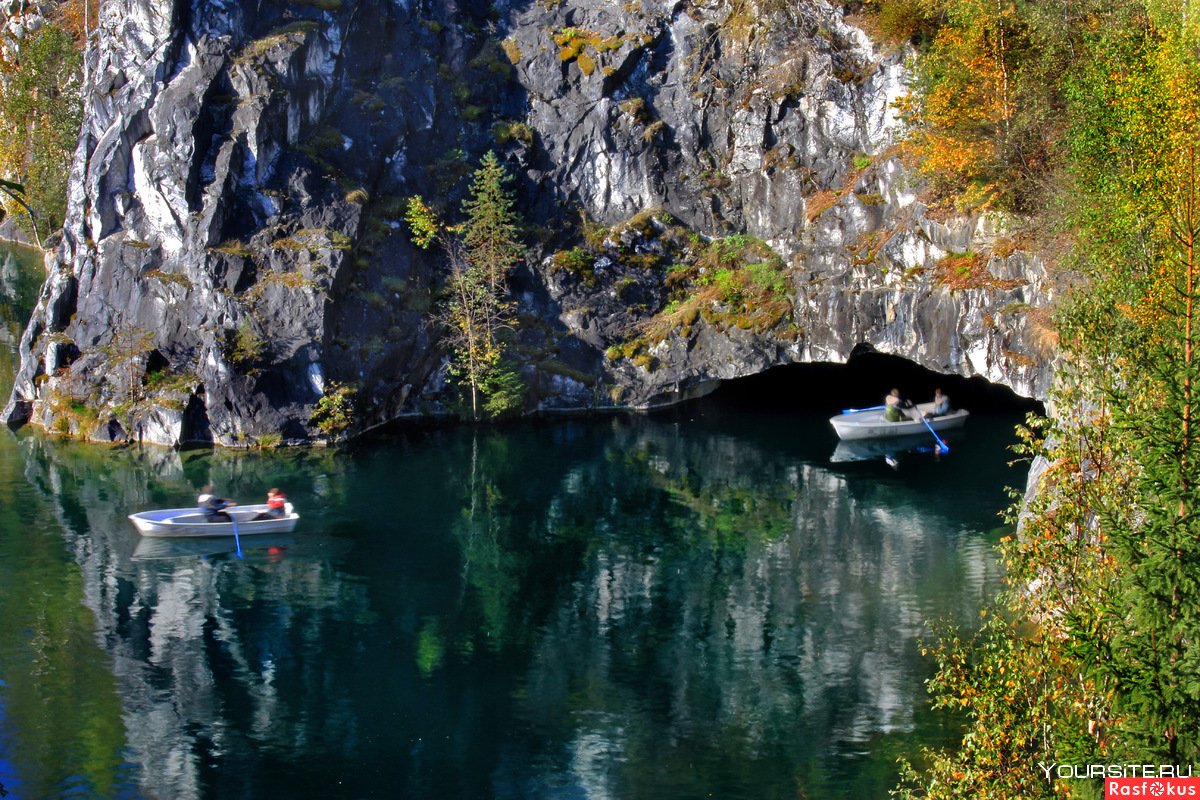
x: 155, y: 548
x: 850, y: 450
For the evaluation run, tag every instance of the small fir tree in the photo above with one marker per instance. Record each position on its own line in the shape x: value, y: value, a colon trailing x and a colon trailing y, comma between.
x: 127, y: 350
x: 334, y: 412
x: 476, y: 313
x: 1158, y: 668
x: 491, y: 231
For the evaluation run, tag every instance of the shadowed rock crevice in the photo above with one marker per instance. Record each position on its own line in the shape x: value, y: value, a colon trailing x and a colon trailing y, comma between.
x: 212, y: 127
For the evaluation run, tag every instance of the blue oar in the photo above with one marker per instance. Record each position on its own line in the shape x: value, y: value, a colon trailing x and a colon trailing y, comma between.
x: 942, y: 446
x: 236, y: 539
x: 856, y: 410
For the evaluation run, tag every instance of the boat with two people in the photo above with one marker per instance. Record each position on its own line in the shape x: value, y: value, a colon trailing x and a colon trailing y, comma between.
x: 898, y: 418
x: 243, y: 521
x: 870, y: 423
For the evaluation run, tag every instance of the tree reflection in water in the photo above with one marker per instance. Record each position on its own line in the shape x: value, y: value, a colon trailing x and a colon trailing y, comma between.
x: 611, y: 608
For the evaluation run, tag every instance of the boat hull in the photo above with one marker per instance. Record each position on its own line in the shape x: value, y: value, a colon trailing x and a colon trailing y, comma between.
x: 190, y: 522
x: 872, y: 425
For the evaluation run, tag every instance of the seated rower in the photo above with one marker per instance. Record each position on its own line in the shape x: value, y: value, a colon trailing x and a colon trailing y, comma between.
x: 941, y: 404
x: 276, y: 506
x: 893, y: 405
x: 212, y: 506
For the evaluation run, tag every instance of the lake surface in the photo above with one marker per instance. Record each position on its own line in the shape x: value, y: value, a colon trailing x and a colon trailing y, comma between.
x: 692, y: 605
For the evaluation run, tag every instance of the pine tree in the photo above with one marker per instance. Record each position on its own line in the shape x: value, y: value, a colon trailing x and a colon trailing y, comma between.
x: 1156, y: 646
x: 476, y: 313
x: 127, y: 349
x: 491, y: 230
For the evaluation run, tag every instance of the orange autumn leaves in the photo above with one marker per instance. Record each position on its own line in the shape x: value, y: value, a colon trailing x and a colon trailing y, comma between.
x: 1015, y: 103
x: 958, y: 114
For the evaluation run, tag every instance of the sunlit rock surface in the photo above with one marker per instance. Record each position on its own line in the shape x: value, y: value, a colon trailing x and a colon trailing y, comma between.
x: 235, y: 244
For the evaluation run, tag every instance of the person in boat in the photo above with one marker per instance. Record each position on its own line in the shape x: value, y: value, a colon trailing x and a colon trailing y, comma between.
x: 276, y: 506
x: 941, y: 404
x: 212, y: 506
x: 894, y: 405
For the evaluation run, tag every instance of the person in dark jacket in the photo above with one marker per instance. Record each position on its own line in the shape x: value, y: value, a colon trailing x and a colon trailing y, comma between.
x: 212, y: 506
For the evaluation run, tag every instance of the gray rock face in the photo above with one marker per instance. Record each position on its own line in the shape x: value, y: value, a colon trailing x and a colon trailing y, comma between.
x: 234, y: 242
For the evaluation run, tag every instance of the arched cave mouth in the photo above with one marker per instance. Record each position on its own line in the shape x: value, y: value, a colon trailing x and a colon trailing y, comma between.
x: 861, y: 382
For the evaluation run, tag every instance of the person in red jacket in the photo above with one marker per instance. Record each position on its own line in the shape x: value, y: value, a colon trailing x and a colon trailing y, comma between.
x: 276, y: 505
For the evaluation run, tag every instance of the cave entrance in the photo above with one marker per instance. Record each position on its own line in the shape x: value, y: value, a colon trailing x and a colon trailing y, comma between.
x: 863, y: 381
x: 196, y: 427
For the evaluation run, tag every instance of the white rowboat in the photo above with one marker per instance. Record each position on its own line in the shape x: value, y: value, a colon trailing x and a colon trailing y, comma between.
x: 192, y: 522
x: 871, y: 424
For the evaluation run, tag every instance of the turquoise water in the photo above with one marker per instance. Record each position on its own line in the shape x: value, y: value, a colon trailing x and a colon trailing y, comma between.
x: 693, y: 605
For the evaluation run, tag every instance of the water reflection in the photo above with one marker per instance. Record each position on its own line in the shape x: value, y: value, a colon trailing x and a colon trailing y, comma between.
x: 772, y: 624
x: 271, y: 546
x: 892, y: 450
x: 613, y: 608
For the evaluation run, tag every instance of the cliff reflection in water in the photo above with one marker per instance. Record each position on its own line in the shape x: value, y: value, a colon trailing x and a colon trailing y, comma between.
x: 616, y: 608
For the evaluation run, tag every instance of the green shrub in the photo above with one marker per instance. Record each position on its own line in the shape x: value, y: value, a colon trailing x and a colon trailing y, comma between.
x: 328, y: 137
x: 505, y: 131
x: 769, y: 277
x: 503, y: 391
x: 247, y: 347
x: 334, y: 412
x: 269, y: 441
x: 577, y: 260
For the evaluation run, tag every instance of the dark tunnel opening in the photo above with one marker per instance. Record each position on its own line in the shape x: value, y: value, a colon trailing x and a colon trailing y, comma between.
x: 861, y: 382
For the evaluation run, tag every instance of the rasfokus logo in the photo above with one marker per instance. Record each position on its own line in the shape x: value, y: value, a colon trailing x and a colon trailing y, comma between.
x: 1131, y: 780
x: 1151, y: 787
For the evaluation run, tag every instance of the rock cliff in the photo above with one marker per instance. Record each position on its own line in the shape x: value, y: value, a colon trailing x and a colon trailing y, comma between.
x: 711, y: 190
